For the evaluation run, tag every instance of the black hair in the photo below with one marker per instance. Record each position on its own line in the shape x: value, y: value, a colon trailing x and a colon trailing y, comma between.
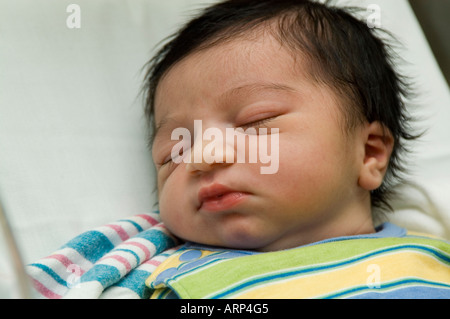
x: 344, y: 53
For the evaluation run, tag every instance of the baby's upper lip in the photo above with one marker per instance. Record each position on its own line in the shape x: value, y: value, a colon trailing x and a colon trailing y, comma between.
x: 213, y: 191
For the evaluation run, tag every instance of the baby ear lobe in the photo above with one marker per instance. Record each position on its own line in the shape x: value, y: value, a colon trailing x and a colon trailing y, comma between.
x: 377, y: 152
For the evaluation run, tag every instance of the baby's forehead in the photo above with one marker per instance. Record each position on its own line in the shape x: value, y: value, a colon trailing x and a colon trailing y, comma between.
x: 234, y: 63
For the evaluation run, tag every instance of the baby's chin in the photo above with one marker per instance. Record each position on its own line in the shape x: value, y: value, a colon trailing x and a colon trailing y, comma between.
x: 241, y: 242
x: 235, y: 231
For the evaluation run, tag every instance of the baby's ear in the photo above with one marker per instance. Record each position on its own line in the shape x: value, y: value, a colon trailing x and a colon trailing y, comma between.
x: 378, y: 144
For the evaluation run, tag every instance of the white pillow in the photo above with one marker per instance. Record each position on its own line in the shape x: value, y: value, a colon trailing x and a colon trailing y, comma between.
x: 72, y: 133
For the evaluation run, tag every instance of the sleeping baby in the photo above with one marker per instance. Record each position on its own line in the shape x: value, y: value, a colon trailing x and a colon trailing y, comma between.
x: 278, y: 130
x: 324, y: 84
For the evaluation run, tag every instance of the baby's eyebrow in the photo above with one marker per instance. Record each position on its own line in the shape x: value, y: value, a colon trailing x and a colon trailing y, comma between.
x: 255, y: 88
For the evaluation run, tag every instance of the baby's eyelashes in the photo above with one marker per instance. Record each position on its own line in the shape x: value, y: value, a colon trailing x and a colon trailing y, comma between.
x: 257, y: 124
x: 175, y: 157
x: 253, y: 128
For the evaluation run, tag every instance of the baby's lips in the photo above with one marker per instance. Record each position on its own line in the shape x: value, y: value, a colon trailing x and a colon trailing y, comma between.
x: 218, y: 197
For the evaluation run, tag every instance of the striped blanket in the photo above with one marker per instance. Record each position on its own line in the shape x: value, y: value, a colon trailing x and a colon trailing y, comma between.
x: 373, y: 267
x: 112, y: 261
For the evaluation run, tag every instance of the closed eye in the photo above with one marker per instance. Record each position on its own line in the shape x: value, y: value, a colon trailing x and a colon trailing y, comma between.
x: 175, y: 157
x: 166, y: 161
x: 259, y: 123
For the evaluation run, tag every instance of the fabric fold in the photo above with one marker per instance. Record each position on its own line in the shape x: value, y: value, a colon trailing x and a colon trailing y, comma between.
x: 111, y: 261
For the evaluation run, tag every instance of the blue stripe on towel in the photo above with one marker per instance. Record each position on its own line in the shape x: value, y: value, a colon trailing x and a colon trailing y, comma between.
x: 158, y: 238
x: 92, y: 245
x: 135, y: 281
x: 106, y: 275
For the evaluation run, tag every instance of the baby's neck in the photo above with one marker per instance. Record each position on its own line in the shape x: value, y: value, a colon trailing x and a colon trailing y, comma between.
x: 355, y: 220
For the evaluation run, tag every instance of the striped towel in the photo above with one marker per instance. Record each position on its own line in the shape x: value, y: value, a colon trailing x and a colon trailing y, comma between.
x: 112, y: 261
x: 406, y: 267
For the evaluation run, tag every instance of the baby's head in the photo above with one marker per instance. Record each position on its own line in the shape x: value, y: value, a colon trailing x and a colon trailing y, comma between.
x: 323, y: 87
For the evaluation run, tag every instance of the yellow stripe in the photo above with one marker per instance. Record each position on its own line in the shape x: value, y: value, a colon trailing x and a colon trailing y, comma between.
x: 390, y: 266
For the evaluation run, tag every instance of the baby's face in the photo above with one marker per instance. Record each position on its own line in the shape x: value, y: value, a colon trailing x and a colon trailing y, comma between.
x: 252, y: 84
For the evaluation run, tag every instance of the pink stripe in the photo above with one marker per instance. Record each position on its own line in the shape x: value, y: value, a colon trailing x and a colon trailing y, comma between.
x: 149, y: 219
x: 153, y: 262
x: 142, y: 247
x: 161, y: 227
x: 64, y: 260
x: 120, y: 259
x: 44, y: 291
x: 120, y: 231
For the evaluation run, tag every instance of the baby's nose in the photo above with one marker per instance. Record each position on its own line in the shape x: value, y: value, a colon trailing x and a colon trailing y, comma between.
x: 206, y: 154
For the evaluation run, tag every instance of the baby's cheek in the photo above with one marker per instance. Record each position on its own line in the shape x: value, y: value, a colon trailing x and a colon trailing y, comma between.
x: 171, y: 218
x: 304, y: 176
x: 167, y: 201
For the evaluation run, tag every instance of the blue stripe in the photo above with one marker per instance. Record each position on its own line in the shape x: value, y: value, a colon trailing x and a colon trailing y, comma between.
x: 104, y: 274
x: 416, y: 292
x: 51, y: 273
x: 135, y: 281
x: 329, y: 266
x: 138, y: 260
x: 159, y: 239
x: 92, y: 245
x: 138, y: 227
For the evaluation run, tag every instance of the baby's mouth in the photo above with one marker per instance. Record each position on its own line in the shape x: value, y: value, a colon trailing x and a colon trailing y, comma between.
x: 216, y: 198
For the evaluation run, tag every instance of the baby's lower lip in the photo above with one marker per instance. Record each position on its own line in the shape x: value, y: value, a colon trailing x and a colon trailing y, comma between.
x: 223, y: 202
